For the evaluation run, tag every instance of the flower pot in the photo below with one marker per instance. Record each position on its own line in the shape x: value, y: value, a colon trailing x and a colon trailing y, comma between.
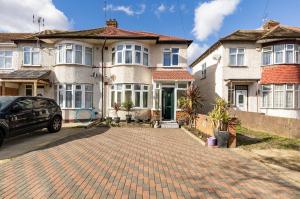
x: 180, y: 123
x: 117, y: 120
x: 222, y: 138
x: 108, y: 120
x: 128, y: 118
x: 211, y: 141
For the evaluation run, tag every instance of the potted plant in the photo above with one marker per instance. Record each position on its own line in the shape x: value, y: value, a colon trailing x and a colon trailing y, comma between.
x: 128, y: 106
x: 190, y: 103
x: 220, y: 117
x: 117, y: 108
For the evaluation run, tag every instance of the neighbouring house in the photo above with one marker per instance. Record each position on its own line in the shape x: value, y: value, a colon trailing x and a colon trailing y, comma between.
x: 96, y: 68
x: 254, y: 70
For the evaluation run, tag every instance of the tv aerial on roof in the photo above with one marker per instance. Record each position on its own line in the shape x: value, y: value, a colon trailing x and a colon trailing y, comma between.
x: 38, y: 20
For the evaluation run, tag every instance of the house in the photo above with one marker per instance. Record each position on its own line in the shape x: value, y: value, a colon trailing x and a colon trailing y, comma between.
x: 93, y: 69
x: 254, y: 70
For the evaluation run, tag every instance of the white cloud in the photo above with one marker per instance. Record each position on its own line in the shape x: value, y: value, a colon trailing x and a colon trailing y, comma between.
x: 164, y: 8
x: 194, y: 51
x: 209, y: 16
x: 16, y: 15
x: 126, y: 9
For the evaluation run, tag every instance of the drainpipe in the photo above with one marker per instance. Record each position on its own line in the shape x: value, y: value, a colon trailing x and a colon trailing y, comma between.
x: 102, y: 78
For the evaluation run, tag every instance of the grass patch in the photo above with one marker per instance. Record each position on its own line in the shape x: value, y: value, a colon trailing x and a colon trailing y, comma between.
x: 249, y: 139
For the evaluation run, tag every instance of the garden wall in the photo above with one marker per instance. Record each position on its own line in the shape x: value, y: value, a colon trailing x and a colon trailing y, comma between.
x: 204, y: 124
x: 276, y: 125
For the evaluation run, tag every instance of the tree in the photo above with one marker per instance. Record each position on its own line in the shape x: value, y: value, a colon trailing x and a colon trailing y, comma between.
x: 191, y: 102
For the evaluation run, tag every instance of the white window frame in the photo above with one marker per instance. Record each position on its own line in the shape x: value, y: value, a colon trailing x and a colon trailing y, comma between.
x: 179, y: 89
x: 170, y: 50
x: 121, y: 88
x: 236, y: 53
x: 4, y: 57
x: 267, y: 49
x: 122, y: 48
x: 31, y: 51
x: 279, y: 51
x: 73, y: 90
x: 72, y: 46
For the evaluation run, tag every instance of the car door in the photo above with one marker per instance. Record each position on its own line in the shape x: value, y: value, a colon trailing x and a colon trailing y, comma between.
x: 21, y: 116
x: 41, y: 112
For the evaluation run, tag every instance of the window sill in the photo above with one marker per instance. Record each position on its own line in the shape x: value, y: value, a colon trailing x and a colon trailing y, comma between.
x: 116, y: 65
x: 290, y: 109
x: 70, y: 64
x: 265, y: 65
x: 237, y: 66
x: 76, y: 109
x: 39, y: 65
x: 7, y: 69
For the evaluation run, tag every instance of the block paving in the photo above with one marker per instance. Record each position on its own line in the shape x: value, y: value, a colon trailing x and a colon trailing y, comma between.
x: 138, y: 163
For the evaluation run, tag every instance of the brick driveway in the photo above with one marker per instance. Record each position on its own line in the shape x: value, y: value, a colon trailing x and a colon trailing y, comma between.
x: 138, y: 163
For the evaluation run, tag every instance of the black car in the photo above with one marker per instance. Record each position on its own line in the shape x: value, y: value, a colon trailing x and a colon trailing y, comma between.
x: 20, y: 115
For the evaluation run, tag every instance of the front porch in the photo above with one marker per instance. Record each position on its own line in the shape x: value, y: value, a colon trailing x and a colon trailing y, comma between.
x: 25, y: 83
x: 168, y: 88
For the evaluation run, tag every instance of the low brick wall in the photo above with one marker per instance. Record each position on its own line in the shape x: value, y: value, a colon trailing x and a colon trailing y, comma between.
x: 204, y: 124
x: 277, y: 125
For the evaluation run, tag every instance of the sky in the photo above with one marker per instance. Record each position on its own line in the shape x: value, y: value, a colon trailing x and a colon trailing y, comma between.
x: 203, y: 21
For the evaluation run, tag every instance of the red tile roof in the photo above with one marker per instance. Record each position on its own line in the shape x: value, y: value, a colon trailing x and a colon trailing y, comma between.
x: 172, y: 75
x: 280, y: 74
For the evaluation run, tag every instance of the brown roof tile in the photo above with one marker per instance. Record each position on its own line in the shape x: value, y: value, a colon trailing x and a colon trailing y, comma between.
x: 9, y: 37
x: 280, y: 74
x: 172, y: 75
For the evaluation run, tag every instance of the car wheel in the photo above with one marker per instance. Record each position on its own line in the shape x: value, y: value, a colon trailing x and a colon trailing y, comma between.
x: 1, y: 138
x: 55, y: 124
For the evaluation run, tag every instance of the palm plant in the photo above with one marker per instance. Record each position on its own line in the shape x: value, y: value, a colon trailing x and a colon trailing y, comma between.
x: 191, y: 102
x: 220, y: 114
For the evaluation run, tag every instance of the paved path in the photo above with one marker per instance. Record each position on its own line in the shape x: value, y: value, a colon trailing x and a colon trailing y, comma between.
x: 138, y: 163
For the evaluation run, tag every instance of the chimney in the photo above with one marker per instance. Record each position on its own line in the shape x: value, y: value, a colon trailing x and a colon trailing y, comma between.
x: 112, y: 23
x: 270, y: 24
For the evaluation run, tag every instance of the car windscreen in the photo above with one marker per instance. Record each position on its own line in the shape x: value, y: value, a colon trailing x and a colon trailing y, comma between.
x: 5, y: 101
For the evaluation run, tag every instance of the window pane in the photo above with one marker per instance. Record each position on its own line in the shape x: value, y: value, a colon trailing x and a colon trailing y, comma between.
x: 112, y: 98
x: 138, y: 48
x: 88, y: 56
x: 138, y: 57
x: 137, y: 87
x: 157, y: 101
x: 78, y: 99
x: 128, y: 57
x: 128, y: 86
x: 145, y: 59
x: 26, y: 57
x: 119, y: 57
x: 88, y: 100
x: 232, y: 60
x: 68, y: 99
x: 119, y: 97
x: 8, y: 62
x: 289, y: 99
x: 128, y: 96
x: 60, y: 98
x: 60, y: 54
x: 78, y: 54
x: 167, y: 59
x: 232, y: 50
x: 175, y: 50
x: 278, y: 57
x: 240, y: 59
x: 120, y: 47
x: 267, y: 58
x: 278, y: 99
x: 137, y: 100
x: 182, y: 85
x: 88, y: 87
x: 267, y: 99
x: 289, y: 57
x: 175, y: 59
x: 2, y: 62
x: 69, y: 56
x: 180, y: 93
x: 145, y: 99
x: 35, y: 58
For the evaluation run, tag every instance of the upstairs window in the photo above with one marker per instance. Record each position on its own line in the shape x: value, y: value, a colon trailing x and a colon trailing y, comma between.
x: 130, y: 54
x: 236, y: 56
x: 31, y: 56
x: 170, y: 56
x: 267, y: 55
x: 278, y: 51
x: 74, y: 54
x: 5, y: 59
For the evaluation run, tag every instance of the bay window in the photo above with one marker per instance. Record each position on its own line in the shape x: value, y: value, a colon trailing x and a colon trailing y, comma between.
x: 281, y: 96
x: 130, y: 54
x: 137, y: 93
x: 170, y: 56
x: 74, y: 95
x: 74, y: 54
x: 236, y: 56
x: 6, y: 59
x: 281, y: 53
x: 31, y: 56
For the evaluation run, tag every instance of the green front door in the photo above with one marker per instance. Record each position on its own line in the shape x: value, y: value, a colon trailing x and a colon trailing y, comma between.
x: 168, y: 103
